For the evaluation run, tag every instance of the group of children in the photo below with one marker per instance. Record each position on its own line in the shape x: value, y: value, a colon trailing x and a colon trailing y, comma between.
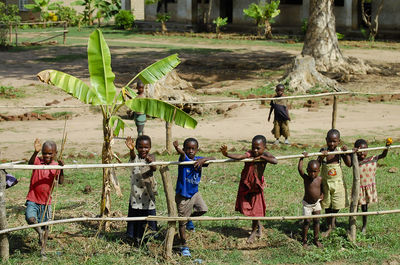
x: 324, y: 186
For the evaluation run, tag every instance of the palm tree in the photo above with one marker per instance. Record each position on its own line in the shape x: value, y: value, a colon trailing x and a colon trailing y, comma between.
x: 103, y: 93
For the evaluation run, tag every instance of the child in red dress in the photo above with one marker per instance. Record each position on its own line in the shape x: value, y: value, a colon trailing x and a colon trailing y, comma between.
x: 250, y: 199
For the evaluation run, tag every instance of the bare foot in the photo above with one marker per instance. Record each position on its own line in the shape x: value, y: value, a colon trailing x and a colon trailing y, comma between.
x: 259, y: 232
x: 326, y: 233
x: 318, y: 244
x: 251, y: 238
x: 364, y: 230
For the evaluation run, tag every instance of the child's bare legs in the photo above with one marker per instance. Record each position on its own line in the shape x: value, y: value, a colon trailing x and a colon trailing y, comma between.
x: 316, y: 230
x: 364, y: 208
x: 182, y: 227
x: 256, y: 231
x: 31, y: 221
x: 331, y: 221
x: 306, y: 225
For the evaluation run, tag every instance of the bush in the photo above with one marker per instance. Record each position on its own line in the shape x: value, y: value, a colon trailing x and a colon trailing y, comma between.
x: 8, y: 15
x: 68, y: 14
x: 124, y: 19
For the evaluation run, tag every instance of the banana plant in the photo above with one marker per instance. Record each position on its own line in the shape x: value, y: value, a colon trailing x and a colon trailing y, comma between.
x: 263, y: 14
x: 102, y: 92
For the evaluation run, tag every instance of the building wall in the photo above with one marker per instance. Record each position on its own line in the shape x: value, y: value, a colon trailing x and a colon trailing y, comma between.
x: 389, y: 18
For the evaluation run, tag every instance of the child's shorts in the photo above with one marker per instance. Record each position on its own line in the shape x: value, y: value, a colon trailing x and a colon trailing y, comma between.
x: 335, y: 195
x: 309, y: 209
x: 188, y: 205
x: 281, y: 128
x: 36, y: 211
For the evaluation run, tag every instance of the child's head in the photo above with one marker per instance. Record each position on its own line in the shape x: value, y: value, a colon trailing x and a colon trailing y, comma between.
x: 361, y: 144
x: 313, y: 168
x: 332, y: 139
x: 143, y: 145
x: 190, y: 147
x: 140, y: 87
x: 49, y: 151
x: 258, y: 145
x: 279, y: 89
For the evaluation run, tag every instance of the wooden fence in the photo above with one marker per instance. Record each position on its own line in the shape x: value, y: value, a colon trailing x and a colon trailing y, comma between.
x: 171, y: 206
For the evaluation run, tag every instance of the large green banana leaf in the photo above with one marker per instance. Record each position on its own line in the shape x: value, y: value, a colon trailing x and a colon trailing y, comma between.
x: 163, y: 110
x: 157, y: 70
x: 71, y: 85
x: 101, y: 75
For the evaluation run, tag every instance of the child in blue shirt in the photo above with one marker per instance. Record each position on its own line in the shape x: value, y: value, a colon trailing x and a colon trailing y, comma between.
x: 188, y: 199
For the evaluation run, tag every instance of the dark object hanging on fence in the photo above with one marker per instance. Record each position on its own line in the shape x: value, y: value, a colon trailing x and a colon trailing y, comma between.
x: 10, y: 180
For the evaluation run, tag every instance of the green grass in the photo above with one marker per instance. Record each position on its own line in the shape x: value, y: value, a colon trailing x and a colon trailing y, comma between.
x: 9, y: 92
x: 220, y: 242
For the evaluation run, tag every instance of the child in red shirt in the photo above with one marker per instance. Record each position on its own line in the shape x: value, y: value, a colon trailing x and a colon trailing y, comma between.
x: 38, y: 200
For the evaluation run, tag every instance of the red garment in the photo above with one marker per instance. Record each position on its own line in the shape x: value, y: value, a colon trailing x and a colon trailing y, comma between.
x: 250, y: 199
x: 41, y: 182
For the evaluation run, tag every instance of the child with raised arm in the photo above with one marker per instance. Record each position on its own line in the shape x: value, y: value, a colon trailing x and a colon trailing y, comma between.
x: 250, y: 198
x: 281, y: 115
x: 368, y: 166
x: 142, y: 200
x: 38, y: 200
x: 334, y: 188
x: 312, y: 196
x: 188, y: 199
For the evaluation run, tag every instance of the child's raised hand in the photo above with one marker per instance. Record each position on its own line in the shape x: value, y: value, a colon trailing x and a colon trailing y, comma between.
x: 37, y: 145
x: 355, y: 149
x: 130, y: 143
x: 389, y: 141
x: 344, y: 148
x: 60, y: 162
x: 176, y: 144
x: 324, y: 153
x: 305, y: 154
x: 224, y: 150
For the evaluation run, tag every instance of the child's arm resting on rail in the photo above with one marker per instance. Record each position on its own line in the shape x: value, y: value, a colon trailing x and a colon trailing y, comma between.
x: 61, y: 175
x: 200, y: 162
x: 37, y: 145
x: 346, y: 157
x: 149, y: 159
x: 268, y: 157
x: 224, y: 151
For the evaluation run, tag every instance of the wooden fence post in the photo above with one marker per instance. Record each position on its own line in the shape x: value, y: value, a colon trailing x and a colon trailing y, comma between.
x: 4, y: 246
x: 354, y: 197
x: 334, y: 112
x: 168, y: 137
x: 16, y: 35
x: 172, y: 211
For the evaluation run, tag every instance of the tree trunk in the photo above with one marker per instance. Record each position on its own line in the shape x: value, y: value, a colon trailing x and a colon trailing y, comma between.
x: 268, y: 29
x: 4, y: 246
x: 322, y: 46
x: 321, y: 41
x: 106, y: 156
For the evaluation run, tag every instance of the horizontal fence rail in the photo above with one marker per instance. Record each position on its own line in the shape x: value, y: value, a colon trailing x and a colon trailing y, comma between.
x: 226, y: 101
x: 207, y: 218
x: 166, y: 163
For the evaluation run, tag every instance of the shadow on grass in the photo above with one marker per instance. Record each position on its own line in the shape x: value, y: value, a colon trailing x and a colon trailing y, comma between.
x: 18, y: 244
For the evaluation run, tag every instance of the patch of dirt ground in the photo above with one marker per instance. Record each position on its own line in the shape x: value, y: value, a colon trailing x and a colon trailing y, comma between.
x: 230, y: 67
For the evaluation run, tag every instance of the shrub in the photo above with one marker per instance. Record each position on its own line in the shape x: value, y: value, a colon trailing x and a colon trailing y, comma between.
x: 219, y: 22
x: 8, y: 15
x: 124, y: 19
x: 68, y: 14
